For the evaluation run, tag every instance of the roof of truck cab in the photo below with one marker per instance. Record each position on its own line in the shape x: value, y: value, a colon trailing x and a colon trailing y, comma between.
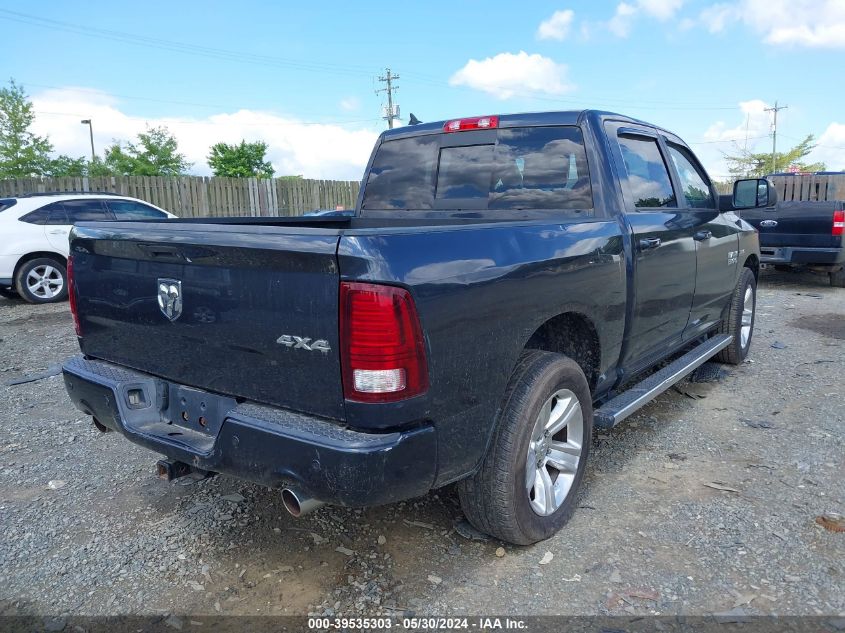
x: 522, y: 119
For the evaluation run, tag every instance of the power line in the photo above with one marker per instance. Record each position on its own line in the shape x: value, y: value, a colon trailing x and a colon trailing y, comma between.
x: 174, y: 46
x: 391, y: 113
x: 300, y: 65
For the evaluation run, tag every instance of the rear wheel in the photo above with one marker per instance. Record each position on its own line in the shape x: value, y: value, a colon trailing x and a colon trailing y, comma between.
x: 526, y: 487
x: 740, y: 321
x: 837, y: 279
x: 42, y: 280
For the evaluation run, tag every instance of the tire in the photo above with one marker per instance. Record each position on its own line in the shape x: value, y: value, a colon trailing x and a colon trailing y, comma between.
x: 42, y: 280
x: 500, y: 499
x: 744, y: 299
x: 837, y: 279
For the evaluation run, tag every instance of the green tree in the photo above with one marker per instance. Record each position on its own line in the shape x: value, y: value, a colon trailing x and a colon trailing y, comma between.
x: 64, y: 166
x: 753, y: 164
x: 22, y: 153
x: 155, y: 154
x: 246, y: 160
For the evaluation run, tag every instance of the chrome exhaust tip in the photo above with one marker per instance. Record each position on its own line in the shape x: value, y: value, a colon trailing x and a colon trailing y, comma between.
x: 298, y: 504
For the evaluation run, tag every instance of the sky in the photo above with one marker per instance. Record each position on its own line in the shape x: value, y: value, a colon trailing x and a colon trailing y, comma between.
x: 302, y: 76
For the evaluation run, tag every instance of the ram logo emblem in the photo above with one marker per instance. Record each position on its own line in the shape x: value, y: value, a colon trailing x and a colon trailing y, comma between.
x: 303, y: 342
x: 170, y: 298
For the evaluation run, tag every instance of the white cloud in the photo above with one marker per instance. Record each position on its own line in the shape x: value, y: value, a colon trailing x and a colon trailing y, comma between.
x: 751, y: 122
x: 810, y: 23
x: 754, y: 122
x: 660, y: 9
x: 831, y: 147
x: 556, y: 27
x: 716, y: 17
x: 315, y: 150
x: 507, y: 75
x: 621, y: 22
x: 350, y: 104
x: 626, y: 13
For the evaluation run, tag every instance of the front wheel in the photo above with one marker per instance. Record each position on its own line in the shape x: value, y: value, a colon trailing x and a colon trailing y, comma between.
x: 740, y: 320
x: 526, y: 487
x: 42, y: 280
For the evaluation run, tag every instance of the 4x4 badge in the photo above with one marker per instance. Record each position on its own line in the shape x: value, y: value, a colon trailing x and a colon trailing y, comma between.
x: 303, y: 342
x: 170, y: 298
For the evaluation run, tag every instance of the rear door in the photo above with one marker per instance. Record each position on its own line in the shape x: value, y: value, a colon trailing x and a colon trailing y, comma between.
x: 63, y: 215
x: 663, y: 245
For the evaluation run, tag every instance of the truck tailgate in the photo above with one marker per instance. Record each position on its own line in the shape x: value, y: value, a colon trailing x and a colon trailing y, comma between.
x: 796, y: 223
x: 245, y: 311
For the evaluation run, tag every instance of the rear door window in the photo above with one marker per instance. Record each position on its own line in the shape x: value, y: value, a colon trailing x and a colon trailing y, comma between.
x: 648, y: 177
x: 132, y: 210
x: 534, y: 168
x: 85, y: 211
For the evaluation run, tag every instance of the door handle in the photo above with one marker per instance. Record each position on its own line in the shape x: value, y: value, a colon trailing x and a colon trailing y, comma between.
x: 702, y: 236
x: 57, y: 232
x: 648, y: 243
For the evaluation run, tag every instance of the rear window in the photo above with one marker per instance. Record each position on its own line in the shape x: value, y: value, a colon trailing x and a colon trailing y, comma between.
x: 6, y: 203
x: 538, y: 168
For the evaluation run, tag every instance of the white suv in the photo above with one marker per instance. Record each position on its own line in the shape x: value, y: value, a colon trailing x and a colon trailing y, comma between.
x: 34, y: 237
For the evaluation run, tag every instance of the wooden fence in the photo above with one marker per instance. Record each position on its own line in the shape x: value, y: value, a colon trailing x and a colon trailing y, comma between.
x: 801, y: 186
x: 197, y: 196
x: 810, y: 186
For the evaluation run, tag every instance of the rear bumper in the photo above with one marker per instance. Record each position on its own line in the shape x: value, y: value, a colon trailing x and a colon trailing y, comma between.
x: 799, y: 255
x: 270, y: 446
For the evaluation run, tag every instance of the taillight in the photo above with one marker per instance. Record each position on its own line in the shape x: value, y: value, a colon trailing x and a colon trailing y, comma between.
x: 838, y: 223
x: 382, y: 346
x: 472, y: 123
x: 71, y: 295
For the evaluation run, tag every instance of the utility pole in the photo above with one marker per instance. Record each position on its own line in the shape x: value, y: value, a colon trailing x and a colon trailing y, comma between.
x: 775, y: 130
x: 390, y: 114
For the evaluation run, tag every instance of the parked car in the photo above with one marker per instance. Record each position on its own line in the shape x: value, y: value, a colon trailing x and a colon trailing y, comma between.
x: 35, y: 228
x: 505, y: 284
x: 805, y: 234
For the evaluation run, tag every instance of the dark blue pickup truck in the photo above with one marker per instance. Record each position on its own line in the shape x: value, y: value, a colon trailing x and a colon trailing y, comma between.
x: 504, y: 284
x: 802, y: 234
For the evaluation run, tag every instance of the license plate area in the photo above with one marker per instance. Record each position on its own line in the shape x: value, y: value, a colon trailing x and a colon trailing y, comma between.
x: 196, y: 411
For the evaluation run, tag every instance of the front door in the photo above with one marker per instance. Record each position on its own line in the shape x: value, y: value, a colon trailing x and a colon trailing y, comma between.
x: 716, y: 241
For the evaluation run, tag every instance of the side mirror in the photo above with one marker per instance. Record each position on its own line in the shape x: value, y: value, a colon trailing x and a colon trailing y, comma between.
x: 753, y: 193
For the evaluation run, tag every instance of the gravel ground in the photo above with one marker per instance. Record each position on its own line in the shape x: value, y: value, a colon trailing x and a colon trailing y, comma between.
x: 704, y: 502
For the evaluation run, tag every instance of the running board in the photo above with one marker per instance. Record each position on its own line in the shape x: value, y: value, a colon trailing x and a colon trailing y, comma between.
x: 614, y: 411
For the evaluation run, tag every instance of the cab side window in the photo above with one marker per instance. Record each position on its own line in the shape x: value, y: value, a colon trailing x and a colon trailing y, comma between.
x: 648, y: 176
x: 697, y: 193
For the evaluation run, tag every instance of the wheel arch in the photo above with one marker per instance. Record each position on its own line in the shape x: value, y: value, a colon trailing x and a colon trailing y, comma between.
x: 753, y: 262
x: 572, y: 334
x: 38, y: 255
